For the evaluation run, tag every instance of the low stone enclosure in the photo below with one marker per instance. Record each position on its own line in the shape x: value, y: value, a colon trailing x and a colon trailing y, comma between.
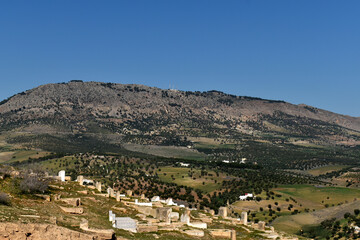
x: 71, y: 201
x: 75, y: 210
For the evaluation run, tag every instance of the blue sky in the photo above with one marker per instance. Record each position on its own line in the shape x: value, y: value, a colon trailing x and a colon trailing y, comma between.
x: 304, y: 51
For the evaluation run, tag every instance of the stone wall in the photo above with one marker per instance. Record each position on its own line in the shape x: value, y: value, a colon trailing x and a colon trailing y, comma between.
x: 147, y: 228
x: 19, y: 231
x: 78, y: 210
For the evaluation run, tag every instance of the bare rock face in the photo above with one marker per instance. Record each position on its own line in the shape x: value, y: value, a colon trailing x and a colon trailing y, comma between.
x: 18, y: 231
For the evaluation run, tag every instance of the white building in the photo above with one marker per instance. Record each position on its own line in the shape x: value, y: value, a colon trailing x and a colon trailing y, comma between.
x: 247, y: 195
x: 184, y: 164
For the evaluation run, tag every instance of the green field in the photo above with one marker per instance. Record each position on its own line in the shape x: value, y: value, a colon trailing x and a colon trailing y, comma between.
x: 325, y: 169
x: 294, y: 223
x: 326, y: 201
x: 181, y: 175
x: 315, y: 204
x: 167, y: 151
x: 313, y: 196
x: 20, y: 155
x: 214, y: 146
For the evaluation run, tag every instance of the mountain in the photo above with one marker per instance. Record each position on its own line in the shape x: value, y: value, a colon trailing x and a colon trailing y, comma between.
x: 122, y: 113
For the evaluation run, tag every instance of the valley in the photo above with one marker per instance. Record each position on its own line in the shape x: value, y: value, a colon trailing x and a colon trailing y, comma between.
x: 204, y: 149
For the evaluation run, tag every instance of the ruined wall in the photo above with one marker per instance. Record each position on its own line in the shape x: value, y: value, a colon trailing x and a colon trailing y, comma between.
x: 19, y: 231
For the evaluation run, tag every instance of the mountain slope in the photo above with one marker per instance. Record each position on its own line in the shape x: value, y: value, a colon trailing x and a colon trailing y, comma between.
x: 107, y: 108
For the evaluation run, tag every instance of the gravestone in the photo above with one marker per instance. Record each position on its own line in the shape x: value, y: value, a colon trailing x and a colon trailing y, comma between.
x: 80, y: 180
x: 185, y: 218
x: 174, y: 216
x: 129, y: 193
x: 261, y: 225
x: 164, y: 214
x: 62, y: 175
x: 223, y: 212
x: 111, y: 192
x: 244, y: 217
x: 98, y: 186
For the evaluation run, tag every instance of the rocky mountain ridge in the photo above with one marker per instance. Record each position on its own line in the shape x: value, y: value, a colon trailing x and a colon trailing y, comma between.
x: 95, y: 107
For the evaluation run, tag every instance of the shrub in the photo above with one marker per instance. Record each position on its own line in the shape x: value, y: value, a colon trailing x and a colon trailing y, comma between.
x: 4, y: 172
x: 356, y: 211
x: 32, y: 184
x: 4, y: 199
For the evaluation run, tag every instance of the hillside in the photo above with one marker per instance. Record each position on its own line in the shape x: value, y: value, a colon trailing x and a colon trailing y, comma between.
x: 120, y: 105
x: 92, y: 116
x: 204, y: 149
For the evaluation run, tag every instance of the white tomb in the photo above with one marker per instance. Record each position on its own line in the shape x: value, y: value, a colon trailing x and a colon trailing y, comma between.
x: 62, y: 175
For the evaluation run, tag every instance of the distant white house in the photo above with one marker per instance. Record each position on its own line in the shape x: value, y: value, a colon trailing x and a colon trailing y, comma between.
x: 246, y: 196
x: 184, y: 164
x: 225, y: 161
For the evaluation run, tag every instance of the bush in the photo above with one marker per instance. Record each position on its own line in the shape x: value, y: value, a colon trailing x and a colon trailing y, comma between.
x: 4, y: 172
x: 32, y: 184
x: 356, y: 211
x: 4, y: 199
